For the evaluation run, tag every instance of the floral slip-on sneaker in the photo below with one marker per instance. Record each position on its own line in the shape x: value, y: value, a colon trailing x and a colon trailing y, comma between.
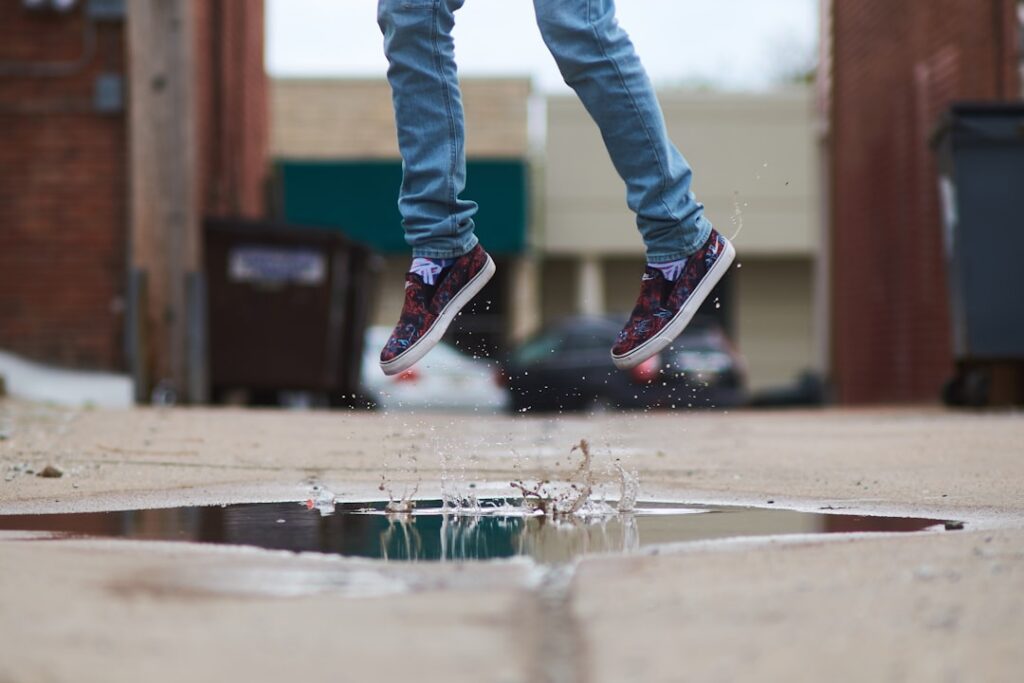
x: 665, y: 307
x: 429, y: 309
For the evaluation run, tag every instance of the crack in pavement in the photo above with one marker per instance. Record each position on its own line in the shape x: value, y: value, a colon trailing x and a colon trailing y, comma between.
x: 561, y: 655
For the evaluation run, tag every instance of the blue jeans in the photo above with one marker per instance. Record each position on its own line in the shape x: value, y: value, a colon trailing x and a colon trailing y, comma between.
x: 596, y: 59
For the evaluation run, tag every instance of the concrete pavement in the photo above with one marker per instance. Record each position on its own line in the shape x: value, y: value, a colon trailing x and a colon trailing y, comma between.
x: 945, y: 606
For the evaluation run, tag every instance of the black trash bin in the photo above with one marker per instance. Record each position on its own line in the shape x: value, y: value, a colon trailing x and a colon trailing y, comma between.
x: 981, y: 183
x: 288, y: 308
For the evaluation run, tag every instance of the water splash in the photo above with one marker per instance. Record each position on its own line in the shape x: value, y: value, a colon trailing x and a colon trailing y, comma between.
x: 403, y: 504
x: 575, y: 497
x: 322, y: 500
x: 629, y: 489
x: 737, y: 215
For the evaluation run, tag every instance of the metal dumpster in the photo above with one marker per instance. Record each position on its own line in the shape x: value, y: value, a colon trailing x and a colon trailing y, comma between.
x: 981, y: 183
x: 288, y: 309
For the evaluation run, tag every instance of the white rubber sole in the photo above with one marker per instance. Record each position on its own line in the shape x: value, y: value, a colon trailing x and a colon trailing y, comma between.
x: 414, y: 353
x: 680, y: 320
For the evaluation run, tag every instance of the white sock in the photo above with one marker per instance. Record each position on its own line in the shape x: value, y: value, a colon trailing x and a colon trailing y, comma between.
x: 429, y: 268
x: 670, y: 269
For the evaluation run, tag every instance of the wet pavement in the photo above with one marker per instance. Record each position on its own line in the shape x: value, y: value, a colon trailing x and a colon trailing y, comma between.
x: 773, y: 598
x: 431, y: 532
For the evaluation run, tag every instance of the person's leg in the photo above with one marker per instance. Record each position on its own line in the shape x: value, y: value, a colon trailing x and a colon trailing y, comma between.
x: 449, y: 267
x: 428, y: 114
x: 685, y: 256
x: 597, y: 59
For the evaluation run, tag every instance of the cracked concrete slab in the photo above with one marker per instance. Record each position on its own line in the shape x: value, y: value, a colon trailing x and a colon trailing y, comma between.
x: 924, y: 608
x: 120, y: 611
x: 932, y: 607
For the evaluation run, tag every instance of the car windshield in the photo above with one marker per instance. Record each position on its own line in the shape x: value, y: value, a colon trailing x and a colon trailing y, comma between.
x: 702, y: 344
x: 701, y: 337
x: 540, y: 348
x: 593, y: 337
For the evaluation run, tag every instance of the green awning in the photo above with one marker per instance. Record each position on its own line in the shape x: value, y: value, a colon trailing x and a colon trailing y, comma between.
x: 360, y: 198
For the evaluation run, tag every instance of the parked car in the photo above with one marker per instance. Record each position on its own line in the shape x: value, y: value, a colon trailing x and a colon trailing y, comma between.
x: 568, y: 367
x: 807, y: 389
x: 444, y: 380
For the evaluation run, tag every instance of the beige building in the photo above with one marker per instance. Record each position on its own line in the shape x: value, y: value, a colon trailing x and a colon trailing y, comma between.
x: 351, y: 118
x: 755, y: 160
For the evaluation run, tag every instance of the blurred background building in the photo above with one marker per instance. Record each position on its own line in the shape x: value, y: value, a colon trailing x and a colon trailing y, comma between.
x: 126, y: 126
x: 336, y: 164
x: 554, y: 210
x: 121, y: 124
x: 889, y: 71
x: 592, y: 258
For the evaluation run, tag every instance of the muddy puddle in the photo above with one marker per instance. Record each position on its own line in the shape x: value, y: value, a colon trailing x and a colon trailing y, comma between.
x: 430, y: 532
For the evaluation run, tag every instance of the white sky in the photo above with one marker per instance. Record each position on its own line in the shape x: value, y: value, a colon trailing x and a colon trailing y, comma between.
x: 731, y: 44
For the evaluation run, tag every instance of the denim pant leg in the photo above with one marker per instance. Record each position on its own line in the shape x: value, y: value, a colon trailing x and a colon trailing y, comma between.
x: 597, y: 60
x: 431, y: 128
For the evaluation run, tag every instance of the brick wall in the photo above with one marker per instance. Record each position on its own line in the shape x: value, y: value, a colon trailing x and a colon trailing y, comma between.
x: 62, y: 187
x: 895, y: 67
x: 64, y: 174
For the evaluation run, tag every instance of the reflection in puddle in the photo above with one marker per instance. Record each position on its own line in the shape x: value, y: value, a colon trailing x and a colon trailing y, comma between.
x: 431, y: 534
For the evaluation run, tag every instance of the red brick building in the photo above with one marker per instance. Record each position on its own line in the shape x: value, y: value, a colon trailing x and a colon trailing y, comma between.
x: 889, y: 70
x: 65, y: 169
